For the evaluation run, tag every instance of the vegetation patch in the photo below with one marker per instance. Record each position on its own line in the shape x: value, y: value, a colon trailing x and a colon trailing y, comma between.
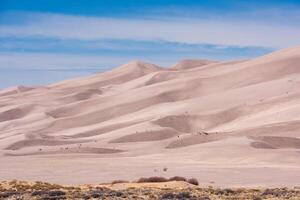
x: 43, y: 191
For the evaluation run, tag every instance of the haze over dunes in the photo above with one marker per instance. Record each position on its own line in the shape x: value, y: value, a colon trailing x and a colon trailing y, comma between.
x: 205, y: 119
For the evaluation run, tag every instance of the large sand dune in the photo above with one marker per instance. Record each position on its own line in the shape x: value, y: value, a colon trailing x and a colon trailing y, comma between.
x: 226, y: 123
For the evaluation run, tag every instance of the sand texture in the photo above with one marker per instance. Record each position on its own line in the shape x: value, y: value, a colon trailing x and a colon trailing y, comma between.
x: 225, y: 123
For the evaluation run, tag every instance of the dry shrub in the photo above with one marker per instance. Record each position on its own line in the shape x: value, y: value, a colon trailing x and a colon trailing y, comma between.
x: 56, y: 193
x: 2, y: 189
x: 13, y: 182
x: 193, y: 181
x: 181, y: 195
x: 177, y: 178
x: 119, y: 181
x: 168, y: 195
x: 158, y: 179
x: 142, y: 180
x: 154, y: 179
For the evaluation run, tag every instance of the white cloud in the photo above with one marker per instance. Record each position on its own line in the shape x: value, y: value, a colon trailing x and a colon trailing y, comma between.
x: 72, y: 62
x: 192, y: 31
x: 52, y: 61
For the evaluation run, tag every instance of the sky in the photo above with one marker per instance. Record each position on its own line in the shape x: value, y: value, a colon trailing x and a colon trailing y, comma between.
x: 44, y: 41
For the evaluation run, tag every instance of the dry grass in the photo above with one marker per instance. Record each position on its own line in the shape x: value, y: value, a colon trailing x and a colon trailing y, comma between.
x: 33, y: 191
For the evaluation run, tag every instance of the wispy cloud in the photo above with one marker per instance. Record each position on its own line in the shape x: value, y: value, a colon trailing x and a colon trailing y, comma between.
x: 191, y: 31
x: 53, y: 61
x: 117, y: 46
x: 49, y: 54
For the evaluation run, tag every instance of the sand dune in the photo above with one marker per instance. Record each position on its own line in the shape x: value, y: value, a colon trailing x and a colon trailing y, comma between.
x: 278, y: 142
x: 196, y: 115
x: 189, y: 64
x: 199, y: 138
x: 82, y: 150
x: 145, y: 136
x: 15, y: 90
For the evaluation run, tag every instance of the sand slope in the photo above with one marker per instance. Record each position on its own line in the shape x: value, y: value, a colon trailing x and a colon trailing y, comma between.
x: 200, y: 118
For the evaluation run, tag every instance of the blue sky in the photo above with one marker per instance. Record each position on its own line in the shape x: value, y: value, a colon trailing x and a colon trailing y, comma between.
x: 43, y: 41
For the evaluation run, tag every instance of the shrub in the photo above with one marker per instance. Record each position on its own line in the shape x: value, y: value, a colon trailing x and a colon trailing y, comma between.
x: 168, y: 195
x: 119, y: 181
x: 56, y: 193
x: 193, y: 181
x: 116, y: 193
x: 228, y: 191
x: 8, y: 194
x: 96, y: 194
x: 204, y: 198
x: 154, y: 179
x: 183, y: 195
x: 142, y: 180
x: 275, y: 192
x: 158, y: 179
x: 38, y: 193
x: 177, y: 178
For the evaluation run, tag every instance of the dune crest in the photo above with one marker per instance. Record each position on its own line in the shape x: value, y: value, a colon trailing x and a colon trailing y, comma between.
x: 191, y: 63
